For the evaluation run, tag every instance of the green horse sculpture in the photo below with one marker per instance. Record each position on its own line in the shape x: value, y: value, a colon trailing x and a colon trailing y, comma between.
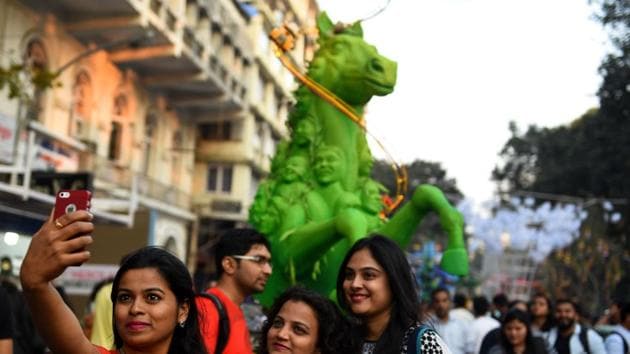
x: 319, y: 197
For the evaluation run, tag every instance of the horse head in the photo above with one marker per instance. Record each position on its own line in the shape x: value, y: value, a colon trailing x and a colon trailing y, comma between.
x: 348, y: 66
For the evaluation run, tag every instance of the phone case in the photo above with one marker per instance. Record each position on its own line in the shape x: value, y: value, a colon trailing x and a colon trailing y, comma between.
x: 68, y: 201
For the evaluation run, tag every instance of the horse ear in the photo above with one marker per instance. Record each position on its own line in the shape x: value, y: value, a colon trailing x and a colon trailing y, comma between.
x: 356, y: 29
x: 324, y: 24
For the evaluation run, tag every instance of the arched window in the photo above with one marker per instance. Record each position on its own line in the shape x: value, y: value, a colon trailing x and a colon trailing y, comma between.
x: 120, y: 105
x: 35, y: 55
x: 150, y: 127
x: 81, y: 104
x: 119, y: 117
x: 35, y: 59
x: 82, y: 95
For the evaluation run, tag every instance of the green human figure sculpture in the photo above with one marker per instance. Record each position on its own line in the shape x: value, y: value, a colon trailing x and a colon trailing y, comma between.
x: 312, y: 216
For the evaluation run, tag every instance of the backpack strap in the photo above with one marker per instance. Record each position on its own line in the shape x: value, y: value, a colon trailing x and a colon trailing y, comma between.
x: 623, y: 340
x: 583, y: 336
x: 224, y: 323
x: 414, y: 340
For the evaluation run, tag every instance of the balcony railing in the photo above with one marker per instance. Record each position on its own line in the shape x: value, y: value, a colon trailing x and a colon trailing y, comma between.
x: 119, y: 180
x: 112, y: 172
x: 168, y: 194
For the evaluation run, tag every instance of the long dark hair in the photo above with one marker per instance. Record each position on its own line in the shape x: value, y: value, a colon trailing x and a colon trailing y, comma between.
x: 531, y: 345
x: 549, y: 319
x: 334, y: 330
x: 174, y: 272
x: 405, y: 310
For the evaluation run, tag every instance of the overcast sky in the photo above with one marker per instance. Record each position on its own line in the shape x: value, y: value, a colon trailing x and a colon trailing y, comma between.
x: 468, y: 67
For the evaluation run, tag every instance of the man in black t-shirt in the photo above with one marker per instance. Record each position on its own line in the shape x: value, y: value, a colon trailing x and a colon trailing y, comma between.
x: 562, y: 344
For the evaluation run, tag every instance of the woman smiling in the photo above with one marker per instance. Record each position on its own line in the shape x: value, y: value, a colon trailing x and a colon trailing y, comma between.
x: 152, y: 294
x: 375, y: 284
x: 304, y: 322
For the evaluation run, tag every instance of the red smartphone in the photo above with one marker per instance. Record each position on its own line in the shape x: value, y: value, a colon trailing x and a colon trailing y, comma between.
x: 69, y: 201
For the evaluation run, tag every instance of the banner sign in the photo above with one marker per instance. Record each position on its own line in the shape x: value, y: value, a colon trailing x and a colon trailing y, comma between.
x: 81, y: 280
x: 8, y: 129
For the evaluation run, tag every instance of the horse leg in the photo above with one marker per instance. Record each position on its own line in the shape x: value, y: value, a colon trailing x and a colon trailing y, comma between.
x: 426, y: 198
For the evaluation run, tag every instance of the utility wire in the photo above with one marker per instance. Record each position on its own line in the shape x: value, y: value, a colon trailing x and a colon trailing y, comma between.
x: 377, y: 12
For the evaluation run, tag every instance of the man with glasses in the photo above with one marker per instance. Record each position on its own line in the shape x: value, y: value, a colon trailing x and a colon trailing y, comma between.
x: 243, y: 264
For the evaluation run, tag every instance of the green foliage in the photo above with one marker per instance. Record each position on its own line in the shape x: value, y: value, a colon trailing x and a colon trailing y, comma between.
x: 614, y: 94
x: 18, y: 77
x: 587, y: 159
x: 10, y: 77
x: 615, y: 15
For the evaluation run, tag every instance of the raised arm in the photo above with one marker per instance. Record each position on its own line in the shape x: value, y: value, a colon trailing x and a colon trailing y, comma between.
x: 56, y: 246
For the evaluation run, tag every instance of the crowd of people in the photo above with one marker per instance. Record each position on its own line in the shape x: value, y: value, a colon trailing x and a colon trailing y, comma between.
x: 152, y: 306
x: 538, y: 326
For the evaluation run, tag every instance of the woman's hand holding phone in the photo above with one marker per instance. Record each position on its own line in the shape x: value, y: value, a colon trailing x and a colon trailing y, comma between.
x: 68, y: 201
x: 58, y: 244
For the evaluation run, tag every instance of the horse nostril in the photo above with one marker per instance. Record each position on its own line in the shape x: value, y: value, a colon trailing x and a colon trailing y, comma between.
x: 376, y: 66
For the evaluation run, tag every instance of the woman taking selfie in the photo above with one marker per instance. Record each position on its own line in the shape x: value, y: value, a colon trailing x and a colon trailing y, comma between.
x: 376, y: 286
x: 152, y: 294
x: 303, y: 322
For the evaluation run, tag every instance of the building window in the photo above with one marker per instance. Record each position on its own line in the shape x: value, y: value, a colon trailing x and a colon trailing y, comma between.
x: 116, y: 132
x: 216, y: 131
x: 258, y: 90
x: 220, y: 178
x: 178, y: 140
x: 115, y: 141
x: 81, y: 105
x: 226, y: 182
x: 150, y: 127
x: 36, y: 59
x: 35, y: 55
x: 213, y: 172
x: 254, y: 182
x: 82, y: 95
x: 120, y: 106
x: 257, y: 138
x: 269, y: 149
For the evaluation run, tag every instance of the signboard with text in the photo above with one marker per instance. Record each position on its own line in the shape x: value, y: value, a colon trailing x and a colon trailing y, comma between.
x: 8, y: 129
x: 81, y: 280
